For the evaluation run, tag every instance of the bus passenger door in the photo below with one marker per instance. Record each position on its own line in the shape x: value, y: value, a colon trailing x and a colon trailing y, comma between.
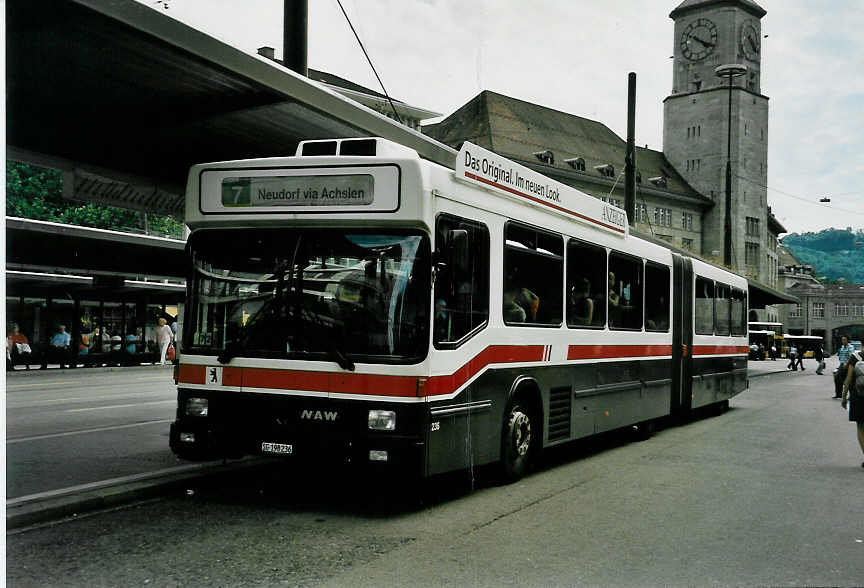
x: 682, y: 335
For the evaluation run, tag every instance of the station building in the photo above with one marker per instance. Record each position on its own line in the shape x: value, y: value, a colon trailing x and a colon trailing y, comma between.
x: 680, y: 191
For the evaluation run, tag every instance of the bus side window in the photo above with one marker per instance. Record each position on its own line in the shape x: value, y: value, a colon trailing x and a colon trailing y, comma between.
x: 625, y: 291
x: 703, y: 306
x: 739, y: 313
x: 586, y: 285
x: 656, y: 297
x: 461, y: 279
x: 533, y: 276
x: 722, y: 307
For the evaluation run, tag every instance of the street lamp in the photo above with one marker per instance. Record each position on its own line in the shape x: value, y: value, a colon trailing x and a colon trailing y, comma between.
x: 732, y: 70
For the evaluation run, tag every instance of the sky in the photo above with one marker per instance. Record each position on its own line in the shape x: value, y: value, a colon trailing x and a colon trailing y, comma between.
x: 574, y: 56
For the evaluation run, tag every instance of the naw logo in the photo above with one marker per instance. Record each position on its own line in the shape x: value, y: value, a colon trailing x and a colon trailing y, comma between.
x: 319, y: 415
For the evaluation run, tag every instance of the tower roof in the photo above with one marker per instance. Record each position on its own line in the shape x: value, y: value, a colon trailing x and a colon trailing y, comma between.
x: 690, y: 5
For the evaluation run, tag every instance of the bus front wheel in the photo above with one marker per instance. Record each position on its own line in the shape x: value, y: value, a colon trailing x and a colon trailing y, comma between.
x: 517, y: 440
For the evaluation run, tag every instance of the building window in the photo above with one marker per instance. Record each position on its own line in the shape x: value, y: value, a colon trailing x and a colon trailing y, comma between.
x: 687, y: 244
x: 841, y: 309
x: 751, y: 254
x: 642, y: 213
x: 687, y: 221
x: 663, y: 217
x: 796, y: 312
x: 858, y: 310
x: 752, y: 228
x: 546, y: 157
x: 818, y: 310
x: 576, y: 163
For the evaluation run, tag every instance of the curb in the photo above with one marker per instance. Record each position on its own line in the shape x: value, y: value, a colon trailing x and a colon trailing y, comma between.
x: 43, y: 508
x: 36, y: 372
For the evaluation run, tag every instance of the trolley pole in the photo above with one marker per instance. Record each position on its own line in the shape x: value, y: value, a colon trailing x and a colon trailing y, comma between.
x: 630, y: 158
x: 729, y: 71
x: 295, y: 34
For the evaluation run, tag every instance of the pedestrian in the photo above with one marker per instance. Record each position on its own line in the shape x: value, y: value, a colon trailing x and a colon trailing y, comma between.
x: 820, y: 358
x: 843, y: 354
x: 163, y: 339
x: 59, y: 343
x: 773, y: 352
x: 800, y: 359
x: 853, y: 389
x: 761, y: 352
x: 793, y: 357
x: 17, y: 348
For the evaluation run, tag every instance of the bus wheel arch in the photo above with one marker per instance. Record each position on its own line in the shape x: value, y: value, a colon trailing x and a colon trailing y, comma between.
x: 521, y: 430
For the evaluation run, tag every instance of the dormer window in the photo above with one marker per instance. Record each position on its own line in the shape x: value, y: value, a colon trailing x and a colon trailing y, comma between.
x: 659, y: 181
x: 546, y: 157
x: 607, y: 170
x: 576, y: 163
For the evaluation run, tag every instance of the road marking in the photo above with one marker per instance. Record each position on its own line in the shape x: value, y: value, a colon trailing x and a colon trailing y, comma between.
x: 75, y: 399
x: 108, y: 483
x: 120, y: 406
x: 82, y: 432
x: 10, y: 386
x: 80, y: 384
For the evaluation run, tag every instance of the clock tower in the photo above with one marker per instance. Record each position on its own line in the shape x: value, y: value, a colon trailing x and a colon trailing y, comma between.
x: 697, y: 132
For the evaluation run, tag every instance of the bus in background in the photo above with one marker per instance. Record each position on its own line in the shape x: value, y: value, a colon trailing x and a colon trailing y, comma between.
x: 765, y: 334
x: 355, y: 302
x: 806, y: 344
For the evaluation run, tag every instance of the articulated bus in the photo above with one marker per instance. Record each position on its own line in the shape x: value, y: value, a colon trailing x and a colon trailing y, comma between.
x: 356, y: 302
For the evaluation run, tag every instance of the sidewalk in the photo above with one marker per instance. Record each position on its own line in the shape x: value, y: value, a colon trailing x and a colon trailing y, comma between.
x: 35, y: 370
x: 768, y: 367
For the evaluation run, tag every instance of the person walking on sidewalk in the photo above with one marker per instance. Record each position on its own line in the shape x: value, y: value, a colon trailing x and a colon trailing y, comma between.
x: 799, y: 361
x: 843, y: 354
x: 819, y: 354
x: 853, y: 389
x: 163, y: 339
x: 793, y: 357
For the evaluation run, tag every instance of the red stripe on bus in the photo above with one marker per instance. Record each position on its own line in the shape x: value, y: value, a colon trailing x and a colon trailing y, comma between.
x: 622, y: 351
x: 719, y: 349
x: 337, y: 383
x: 365, y: 384
x: 440, y: 385
x: 190, y: 374
x: 543, y: 202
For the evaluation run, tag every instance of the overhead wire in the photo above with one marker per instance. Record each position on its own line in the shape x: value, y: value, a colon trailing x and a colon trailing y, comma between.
x: 803, y: 199
x: 369, y: 59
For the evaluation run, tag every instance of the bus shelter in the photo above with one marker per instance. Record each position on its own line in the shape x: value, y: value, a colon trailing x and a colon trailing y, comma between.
x: 107, y: 289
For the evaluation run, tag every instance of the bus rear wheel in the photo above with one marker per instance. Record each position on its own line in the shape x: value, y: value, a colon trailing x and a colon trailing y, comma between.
x: 518, y: 440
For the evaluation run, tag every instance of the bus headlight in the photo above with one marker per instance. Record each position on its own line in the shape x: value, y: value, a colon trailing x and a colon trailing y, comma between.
x: 197, y: 407
x: 382, y: 420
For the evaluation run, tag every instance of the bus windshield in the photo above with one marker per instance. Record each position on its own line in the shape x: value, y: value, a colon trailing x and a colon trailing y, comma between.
x: 339, y: 295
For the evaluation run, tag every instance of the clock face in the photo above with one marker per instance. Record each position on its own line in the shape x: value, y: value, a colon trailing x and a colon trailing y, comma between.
x: 750, y: 44
x: 699, y: 39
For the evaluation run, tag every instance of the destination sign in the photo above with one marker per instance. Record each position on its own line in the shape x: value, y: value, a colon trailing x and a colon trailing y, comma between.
x: 481, y: 166
x: 297, y: 190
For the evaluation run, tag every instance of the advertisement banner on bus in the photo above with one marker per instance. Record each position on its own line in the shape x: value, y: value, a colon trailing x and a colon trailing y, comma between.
x: 476, y: 165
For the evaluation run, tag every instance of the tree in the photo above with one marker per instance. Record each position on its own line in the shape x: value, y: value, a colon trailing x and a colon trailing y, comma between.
x: 37, y: 193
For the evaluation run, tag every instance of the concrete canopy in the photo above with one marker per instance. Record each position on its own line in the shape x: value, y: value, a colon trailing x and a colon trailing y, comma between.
x: 124, y: 99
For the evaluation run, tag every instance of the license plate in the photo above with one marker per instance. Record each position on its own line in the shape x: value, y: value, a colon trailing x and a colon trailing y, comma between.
x: 277, y: 448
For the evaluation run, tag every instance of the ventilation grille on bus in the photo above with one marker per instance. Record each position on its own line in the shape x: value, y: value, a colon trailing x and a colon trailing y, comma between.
x: 363, y: 147
x: 560, y: 402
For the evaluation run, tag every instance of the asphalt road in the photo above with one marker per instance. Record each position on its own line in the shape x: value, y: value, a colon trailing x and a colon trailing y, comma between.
x: 71, y: 427
x: 767, y: 494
